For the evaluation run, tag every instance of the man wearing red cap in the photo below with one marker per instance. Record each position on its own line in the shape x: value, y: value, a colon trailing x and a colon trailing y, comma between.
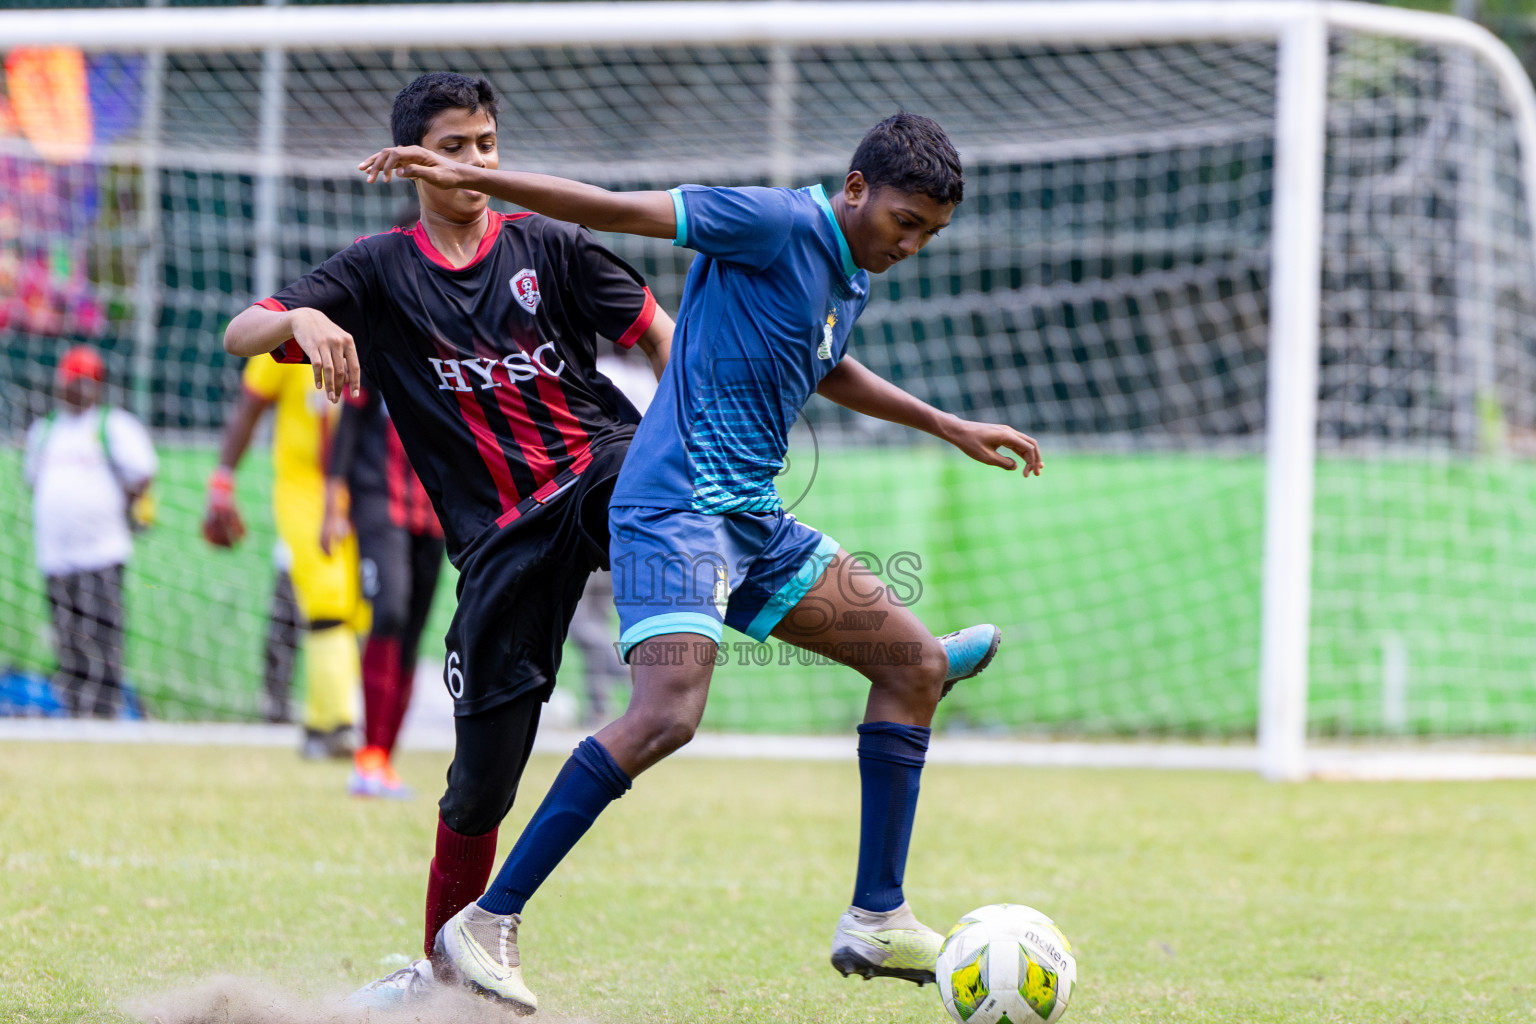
x: 87, y: 465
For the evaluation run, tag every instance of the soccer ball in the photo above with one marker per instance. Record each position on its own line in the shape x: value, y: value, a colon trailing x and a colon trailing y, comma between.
x: 1006, y: 964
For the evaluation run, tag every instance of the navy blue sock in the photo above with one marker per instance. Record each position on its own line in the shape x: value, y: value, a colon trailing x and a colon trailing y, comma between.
x: 589, y: 782
x: 890, y: 767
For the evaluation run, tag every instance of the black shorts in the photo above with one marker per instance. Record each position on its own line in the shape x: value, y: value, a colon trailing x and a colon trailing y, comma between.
x: 518, y: 589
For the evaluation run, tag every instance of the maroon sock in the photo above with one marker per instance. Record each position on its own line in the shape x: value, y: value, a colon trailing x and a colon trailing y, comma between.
x: 459, y: 871
x: 381, y: 688
x: 406, y: 678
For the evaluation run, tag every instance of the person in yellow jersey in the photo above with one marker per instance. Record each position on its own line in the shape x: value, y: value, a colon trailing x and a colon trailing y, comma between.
x: 326, y: 585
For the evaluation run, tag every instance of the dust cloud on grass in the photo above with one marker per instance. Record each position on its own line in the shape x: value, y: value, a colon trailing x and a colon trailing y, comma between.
x: 231, y: 1000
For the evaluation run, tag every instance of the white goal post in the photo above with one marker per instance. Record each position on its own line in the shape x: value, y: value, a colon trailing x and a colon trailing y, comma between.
x: 1495, y: 98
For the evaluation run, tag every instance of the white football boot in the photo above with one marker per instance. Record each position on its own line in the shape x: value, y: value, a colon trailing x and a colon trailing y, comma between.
x: 478, y: 949
x: 893, y: 944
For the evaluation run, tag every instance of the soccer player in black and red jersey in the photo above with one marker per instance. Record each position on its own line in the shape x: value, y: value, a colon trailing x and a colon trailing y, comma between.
x: 480, y: 332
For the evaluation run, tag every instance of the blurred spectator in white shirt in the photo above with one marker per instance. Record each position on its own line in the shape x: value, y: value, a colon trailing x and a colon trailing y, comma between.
x: 89, y: 465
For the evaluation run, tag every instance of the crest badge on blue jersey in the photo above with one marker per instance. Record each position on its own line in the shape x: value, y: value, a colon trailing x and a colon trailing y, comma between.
x: 824, y: 350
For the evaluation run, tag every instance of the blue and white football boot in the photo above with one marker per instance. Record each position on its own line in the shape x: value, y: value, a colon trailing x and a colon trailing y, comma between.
x: 397, y: 990
x: 970, y: 651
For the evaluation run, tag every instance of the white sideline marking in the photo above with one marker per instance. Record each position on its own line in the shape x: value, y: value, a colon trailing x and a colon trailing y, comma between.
x: 1419, y: 766
x: 189, y: 734
x: 1336, y: 764
x: 728, y: 746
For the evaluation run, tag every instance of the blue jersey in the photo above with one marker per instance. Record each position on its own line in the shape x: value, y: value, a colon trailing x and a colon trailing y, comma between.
x: 766, y: 313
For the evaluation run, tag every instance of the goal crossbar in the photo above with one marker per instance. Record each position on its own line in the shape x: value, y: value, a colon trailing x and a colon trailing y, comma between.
x: 814, y: 21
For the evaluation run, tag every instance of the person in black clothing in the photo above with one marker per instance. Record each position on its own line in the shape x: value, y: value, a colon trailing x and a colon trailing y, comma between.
x: 480, y: 332
x: 371, y: 489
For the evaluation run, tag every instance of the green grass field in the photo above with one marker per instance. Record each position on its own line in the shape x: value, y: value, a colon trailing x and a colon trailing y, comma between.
x: 710, y: 891
x: 1127, y: 588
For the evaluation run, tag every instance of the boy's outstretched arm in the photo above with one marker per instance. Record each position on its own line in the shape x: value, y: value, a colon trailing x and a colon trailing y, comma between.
x: 633, y: 213
x: 331, y: 351
x: 854, y: 386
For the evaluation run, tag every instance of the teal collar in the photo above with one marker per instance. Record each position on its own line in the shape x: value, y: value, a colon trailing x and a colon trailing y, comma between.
x: 820, y: 195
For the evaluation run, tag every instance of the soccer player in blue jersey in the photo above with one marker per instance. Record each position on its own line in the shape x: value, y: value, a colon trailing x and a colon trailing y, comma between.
x: 699, y: 539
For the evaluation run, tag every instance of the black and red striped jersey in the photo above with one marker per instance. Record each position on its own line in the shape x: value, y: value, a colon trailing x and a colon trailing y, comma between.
x: 488, y: 369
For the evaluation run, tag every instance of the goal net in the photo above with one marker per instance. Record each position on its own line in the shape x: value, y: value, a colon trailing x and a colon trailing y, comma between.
x: 1259, y: 276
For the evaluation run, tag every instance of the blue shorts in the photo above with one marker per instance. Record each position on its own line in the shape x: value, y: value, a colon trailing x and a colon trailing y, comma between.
x: 676, y: 571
